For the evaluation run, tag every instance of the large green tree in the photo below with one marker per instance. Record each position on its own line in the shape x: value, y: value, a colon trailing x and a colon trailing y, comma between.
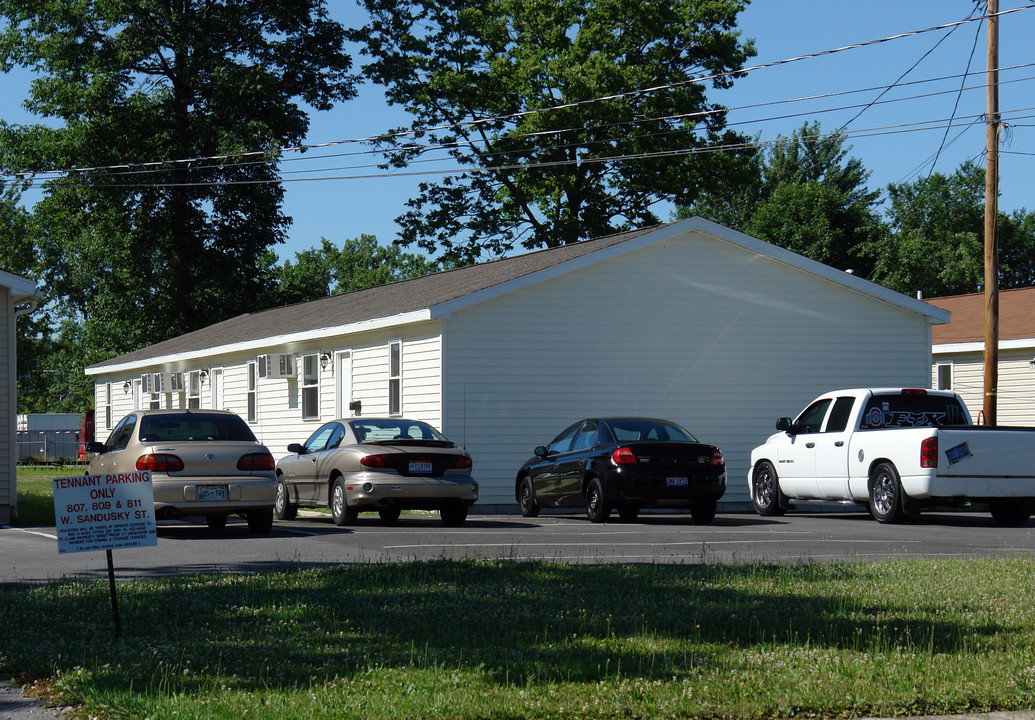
x: 173, y: 111
x: 936, y: 241
x: 358, y: 264
x: 803, y: 193
x: 563, y: 120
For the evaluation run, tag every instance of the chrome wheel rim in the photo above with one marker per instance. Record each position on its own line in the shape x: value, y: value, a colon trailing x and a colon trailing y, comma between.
x: 883, y: 494
x: 764, y: 488
x: 338, y: 501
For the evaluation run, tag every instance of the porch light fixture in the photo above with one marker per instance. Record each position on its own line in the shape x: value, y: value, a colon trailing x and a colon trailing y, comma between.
x: 203, y: 374
x: 325, y: 360
x: 127, y: 386
x: 1031, y: 363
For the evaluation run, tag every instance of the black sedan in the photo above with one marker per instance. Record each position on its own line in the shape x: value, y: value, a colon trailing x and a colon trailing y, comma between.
x: 623, y: 464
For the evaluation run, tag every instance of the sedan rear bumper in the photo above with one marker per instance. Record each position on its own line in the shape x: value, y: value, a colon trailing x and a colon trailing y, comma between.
x: 667, y: 489
x: 366, y: 490
x: 189, y: 496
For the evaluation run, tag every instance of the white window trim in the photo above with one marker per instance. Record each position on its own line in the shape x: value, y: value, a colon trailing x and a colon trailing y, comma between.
x: 952, y: 375
x: 252, y: 394
x: 398, y: 379
x: 314, y: 385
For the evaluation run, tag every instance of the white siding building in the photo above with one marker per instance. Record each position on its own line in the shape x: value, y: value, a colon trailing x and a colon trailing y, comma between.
x: 17, y: 297
x: 959, y: 354
x: 688, y: 321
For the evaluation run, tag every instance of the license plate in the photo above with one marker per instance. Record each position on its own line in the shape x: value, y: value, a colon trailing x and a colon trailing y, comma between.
x: 677, y: 481
x: 211, y: 492
x: 420, y: 468
x: 960, y: 452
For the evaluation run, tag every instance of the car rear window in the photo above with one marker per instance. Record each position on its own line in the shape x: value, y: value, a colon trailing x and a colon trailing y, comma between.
x: 636, y: 429
x: 379, y: 430
x: 912, y: 410
x: 194, y: 427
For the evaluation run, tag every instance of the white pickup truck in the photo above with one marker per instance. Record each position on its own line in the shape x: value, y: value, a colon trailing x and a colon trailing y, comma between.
x: 896, y: 451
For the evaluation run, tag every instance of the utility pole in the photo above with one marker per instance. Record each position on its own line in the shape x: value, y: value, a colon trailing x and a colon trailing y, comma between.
x: 991, y: 217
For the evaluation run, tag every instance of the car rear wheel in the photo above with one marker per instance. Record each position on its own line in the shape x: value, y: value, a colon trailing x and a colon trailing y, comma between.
x: 885, y: 494
x: 260, y: 521
x: 766, y: 496
x: 597, y: 509
x: 216, y: 523
x: 1010, y: 513
x: 703, y: 511
x: 526, y: 499
x: 284, y: 508
x: 341, y: 513
x: 389, y: 516
x: 454, y: 513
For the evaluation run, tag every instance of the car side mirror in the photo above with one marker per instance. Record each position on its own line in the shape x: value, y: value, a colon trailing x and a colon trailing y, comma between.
x: 296, y: 449
x: 540, y: 451
x: 96, y: 447
x: 786, y: 425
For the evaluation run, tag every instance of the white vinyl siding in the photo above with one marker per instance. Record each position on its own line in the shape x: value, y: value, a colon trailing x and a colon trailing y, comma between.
x: 8, y: 409
x: 1015, y: 402
x: 704, y: 333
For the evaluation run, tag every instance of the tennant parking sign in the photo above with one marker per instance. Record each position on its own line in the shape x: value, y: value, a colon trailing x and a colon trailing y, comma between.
x: 104, y: 512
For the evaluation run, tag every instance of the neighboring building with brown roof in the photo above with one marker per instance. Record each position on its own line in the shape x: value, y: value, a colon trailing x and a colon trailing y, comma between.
x: 688, y: 321
x: 958, y: 351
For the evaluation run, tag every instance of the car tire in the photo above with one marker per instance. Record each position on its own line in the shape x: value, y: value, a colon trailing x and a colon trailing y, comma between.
x: 260, y: 522
x: 526, y: 499
x: 389, y: 516
x: 703, y: 511
x: 282, y: 505
x: 216, y: 523
x: 766, y: 496
x: 886, y: 496
x: 1010, y: 513
x: 597, y: 509
x: 341, y: 513
x: 628, y: 512
x: 454, y: 514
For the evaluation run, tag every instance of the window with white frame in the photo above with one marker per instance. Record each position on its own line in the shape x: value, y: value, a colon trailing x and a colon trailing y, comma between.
x: 944, y: 371
x: 194, y: 389
x: 253, y: 410
x: 395, y: 379
x: 310, y: 387
x: 107, y: 406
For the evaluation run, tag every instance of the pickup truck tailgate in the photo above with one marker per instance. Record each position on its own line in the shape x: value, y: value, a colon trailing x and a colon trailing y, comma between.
x: 984, y: 451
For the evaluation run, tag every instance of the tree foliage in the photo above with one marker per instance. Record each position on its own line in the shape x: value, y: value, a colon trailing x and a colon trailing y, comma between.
x: 163, y: 237
x: 568, y: 119
x: 805, y: 194
x: 936, y: 239
x: 358, y: 264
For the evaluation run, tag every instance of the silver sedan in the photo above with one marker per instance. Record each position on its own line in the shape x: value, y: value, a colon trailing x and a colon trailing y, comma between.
x: 202, y: 463
x: 387, y: 465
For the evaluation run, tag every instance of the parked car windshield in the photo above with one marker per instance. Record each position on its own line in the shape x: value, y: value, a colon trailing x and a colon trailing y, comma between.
x: 639, y: 429
x: 912, y: 410
x: 380, y: 430
x: 191, y: 427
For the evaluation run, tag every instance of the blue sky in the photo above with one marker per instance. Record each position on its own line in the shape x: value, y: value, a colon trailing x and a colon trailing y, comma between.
x: 897, y: 138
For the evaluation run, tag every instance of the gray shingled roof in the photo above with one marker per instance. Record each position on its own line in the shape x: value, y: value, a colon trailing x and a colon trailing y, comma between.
x: 378, y: 302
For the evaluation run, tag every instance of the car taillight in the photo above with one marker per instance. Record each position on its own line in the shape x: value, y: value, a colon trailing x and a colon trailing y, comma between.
x: 717, y: 458
x: 929, y: 453
x: 256, y: 461
x: 374, y: 461
x: 159, y: 463
x: 463, y: 463
x: 623, y: 456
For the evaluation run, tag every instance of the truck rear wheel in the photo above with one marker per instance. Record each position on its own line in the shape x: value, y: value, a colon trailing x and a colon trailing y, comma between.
x: 886, y: 496
x: 765, y: 491
x: 1010, y: 513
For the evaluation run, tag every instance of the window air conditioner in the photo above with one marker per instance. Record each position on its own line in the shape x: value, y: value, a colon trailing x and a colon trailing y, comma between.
x: 152, y: 383
x: 277, y: 366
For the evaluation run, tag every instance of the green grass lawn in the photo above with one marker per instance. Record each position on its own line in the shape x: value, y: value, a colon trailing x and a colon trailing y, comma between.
x: 36, y: 492
x: 497, y: 639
